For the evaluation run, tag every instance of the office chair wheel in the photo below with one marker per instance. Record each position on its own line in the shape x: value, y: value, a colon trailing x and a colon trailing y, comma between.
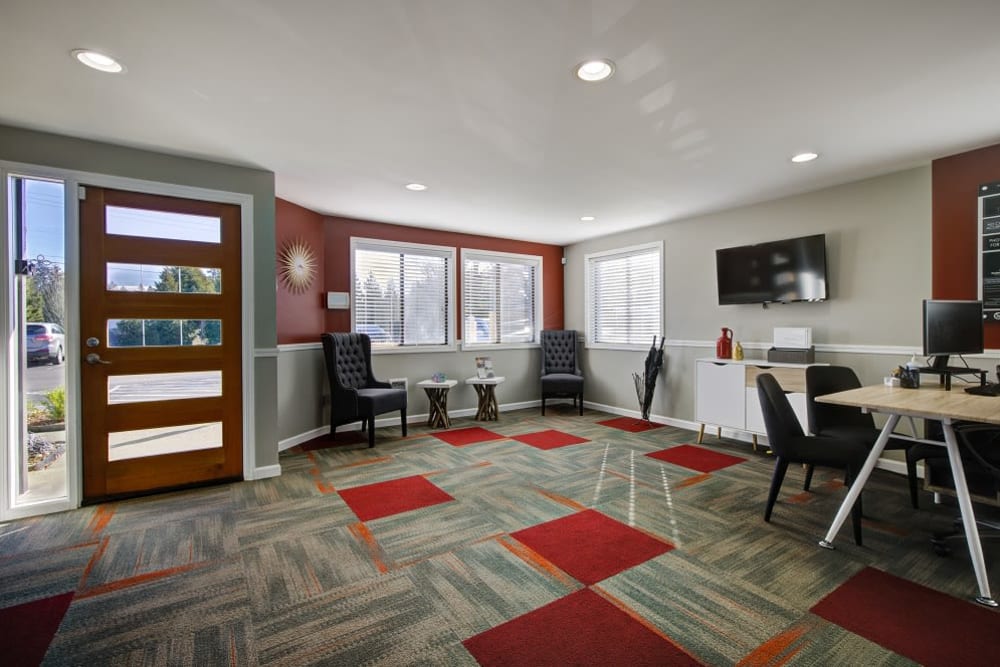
x: 941, y: 547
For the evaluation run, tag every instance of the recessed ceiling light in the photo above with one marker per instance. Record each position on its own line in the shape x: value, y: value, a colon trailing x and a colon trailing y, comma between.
x: 587, y: 218
x: 805, y: 157
x: 416, y: 187
x: 98, y: 61
x: 595, y: 70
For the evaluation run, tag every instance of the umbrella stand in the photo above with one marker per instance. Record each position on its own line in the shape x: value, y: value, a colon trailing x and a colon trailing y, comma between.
x: 645, y: 383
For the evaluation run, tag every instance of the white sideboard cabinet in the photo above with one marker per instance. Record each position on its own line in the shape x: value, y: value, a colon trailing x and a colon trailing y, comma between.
x: 726, y: 393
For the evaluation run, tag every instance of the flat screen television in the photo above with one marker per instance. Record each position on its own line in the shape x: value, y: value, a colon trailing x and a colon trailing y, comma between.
x: 952, y: 328
x: 778, y: 271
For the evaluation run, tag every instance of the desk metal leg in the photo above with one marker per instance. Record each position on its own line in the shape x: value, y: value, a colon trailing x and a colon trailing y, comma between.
x: 859, y: 482
x: 968, y: 515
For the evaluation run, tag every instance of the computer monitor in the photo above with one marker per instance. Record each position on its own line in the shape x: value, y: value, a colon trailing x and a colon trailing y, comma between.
x: 952, y: 327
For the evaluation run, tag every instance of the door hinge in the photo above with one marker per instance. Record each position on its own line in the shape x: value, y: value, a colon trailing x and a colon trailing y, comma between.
x: 81, y: 193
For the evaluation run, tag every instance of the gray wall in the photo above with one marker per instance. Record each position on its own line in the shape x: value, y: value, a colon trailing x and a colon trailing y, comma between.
x: 303, y: 389
x: 878, y: 253
x: 39, y: 148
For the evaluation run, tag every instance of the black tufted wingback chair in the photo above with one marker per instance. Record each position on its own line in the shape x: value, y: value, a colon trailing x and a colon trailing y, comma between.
x: 355, y: 394
x: 561, y: 376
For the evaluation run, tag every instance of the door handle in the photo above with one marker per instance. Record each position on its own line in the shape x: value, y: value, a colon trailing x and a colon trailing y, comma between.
x: 94, y: 358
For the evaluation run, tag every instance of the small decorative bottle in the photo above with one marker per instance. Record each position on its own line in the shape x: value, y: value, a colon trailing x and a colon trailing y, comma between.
x: 738, y: 351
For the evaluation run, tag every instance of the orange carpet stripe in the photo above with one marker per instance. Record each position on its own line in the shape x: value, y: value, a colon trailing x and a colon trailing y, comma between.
x: 881, y: 526
x: 620, y: 604
x: 234, y: 660
x: 92, y: 562
x: 637, y: 482
x: 775, y: 651
x: 536, y: 561
x: 562, y: 500
x: 139, y: 579
x: 315, y: 580
x: 324, y: 487
x: 101, y: 517
x: 368, y: 462
x: 691, y: 481
x: 801, y: 498
x: 634, y: 615
x: 361, y: 532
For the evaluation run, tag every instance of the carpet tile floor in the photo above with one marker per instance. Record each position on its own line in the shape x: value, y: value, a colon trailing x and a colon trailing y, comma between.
x: 562, y: 539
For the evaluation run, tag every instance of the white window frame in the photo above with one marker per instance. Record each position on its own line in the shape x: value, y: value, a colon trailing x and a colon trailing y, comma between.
x: 381, y: 245
x: 475, y: 255
x: 589, y: 261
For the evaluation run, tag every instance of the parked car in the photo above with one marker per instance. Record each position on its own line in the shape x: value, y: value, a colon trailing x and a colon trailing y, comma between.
x: 374, y: 331
x: 46, y: 342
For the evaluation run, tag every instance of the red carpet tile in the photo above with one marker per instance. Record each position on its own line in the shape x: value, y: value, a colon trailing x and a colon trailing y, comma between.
x: 30, y: 627
x: 922, y: 624
x: 550, y: 439
x: 382, y: 499
x: 696, y: 458
x: 467, y: 436
x: 341, y: 440
x: 580, y: 629
x: 590, y: 546
x: 630, y: 424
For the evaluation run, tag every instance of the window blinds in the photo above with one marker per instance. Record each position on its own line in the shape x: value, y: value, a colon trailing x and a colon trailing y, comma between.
x: 625, y: 297
x: 401, y: 296
x: 499, y: 301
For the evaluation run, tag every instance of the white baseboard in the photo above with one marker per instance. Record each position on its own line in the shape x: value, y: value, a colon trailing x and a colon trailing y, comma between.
x: 892, y: 465
x: 290, y: 442
x: 263, y: 472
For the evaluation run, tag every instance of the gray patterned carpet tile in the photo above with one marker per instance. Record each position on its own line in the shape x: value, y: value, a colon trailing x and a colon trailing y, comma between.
x: 281, y: 571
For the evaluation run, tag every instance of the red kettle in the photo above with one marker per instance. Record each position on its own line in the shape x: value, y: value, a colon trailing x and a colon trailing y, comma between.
x: 724, y: 345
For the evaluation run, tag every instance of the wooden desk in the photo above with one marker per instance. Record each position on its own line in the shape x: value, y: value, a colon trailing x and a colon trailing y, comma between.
x: 927, y: 403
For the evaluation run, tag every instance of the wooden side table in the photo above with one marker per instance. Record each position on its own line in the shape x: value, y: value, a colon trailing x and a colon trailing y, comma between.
x: 486, y: 390
x: 437, y: 394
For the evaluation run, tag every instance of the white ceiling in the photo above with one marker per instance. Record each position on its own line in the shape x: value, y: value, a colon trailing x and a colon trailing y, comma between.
x: 347, y: 101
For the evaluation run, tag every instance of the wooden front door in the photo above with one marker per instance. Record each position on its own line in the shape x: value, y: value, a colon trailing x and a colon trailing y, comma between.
x: 160, y: 336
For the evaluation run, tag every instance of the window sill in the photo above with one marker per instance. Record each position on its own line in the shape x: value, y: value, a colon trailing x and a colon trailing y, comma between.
x: 480, y: 347
x: 621, y: 347
x: 413, y: 349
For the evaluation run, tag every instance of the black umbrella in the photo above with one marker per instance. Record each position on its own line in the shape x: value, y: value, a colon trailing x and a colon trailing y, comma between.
x: 645, y: 384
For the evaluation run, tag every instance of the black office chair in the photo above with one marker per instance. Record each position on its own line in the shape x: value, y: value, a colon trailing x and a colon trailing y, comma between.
x: 980, y: 448
x: 561, y: 376
x: 841, y: 421
x: 791, y: 445
x: 355, y: 394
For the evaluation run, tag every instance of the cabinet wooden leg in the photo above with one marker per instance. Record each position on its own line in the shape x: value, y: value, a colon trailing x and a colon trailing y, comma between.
x: 754, y: 435
x: 701, y: 433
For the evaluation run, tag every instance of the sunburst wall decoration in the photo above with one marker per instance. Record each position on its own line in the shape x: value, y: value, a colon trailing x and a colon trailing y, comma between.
x: 297, y: 265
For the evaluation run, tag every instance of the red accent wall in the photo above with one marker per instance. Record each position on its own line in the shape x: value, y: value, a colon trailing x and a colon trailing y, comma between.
x: 955, y: 182
x: 338, y: 262
x: 300, y: 316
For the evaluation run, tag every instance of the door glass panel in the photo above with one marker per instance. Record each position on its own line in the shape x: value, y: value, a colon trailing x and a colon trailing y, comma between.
x: 158, y: 278
x: 37, y: 440
x: 163, y: 386
x: 162, y: 225
x: 163, y: 333
x: 169, y: 440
